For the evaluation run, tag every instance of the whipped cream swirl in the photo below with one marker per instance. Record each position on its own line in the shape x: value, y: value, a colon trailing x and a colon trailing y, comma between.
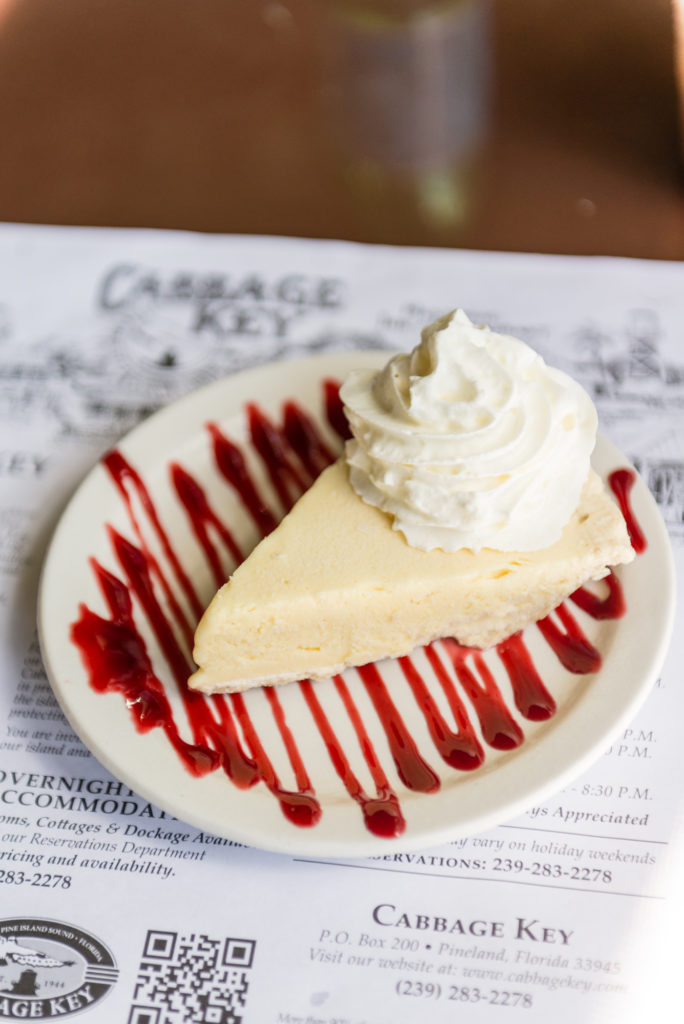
x: 470, y: 441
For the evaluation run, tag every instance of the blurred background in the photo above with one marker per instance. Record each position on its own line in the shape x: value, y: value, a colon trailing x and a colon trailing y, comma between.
x: 533, y: 125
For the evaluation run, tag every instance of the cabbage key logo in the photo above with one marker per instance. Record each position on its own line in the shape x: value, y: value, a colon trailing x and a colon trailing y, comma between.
x: 49, y: 969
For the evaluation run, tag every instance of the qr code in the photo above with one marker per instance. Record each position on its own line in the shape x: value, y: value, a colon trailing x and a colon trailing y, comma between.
x: 192, y: 979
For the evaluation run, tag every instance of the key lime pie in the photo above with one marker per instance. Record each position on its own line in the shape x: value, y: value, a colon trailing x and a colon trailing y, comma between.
x: 464, y: 506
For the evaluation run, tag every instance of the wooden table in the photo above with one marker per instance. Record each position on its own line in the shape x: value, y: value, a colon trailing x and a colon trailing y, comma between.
x: 229, y: 116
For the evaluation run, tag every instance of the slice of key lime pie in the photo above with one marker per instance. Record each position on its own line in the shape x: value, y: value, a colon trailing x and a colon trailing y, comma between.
x: 464, y: 506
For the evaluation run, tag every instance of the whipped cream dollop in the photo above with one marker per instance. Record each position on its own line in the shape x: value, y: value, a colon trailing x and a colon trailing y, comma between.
x: 470, y: 441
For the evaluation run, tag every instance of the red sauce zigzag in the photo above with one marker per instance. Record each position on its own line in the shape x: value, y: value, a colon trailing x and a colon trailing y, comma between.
x: 223, y: 735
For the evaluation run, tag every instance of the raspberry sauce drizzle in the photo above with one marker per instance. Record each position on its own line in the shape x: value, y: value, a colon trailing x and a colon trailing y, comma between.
x: 334, y: 409
x: 274, y: 449
x: 201, y: 516
x: 499, y: 729
x: 117, y: 661
x: 116, y: 658
x: 305, y: 440
x: 207, y: 731
x: 382, y: 813
x: 460, y: 749
x: 621, y: 482
x: 569, y: 643
x: 412, y: 769
x: 231, y: 464
x: 121, y: 471
x: 531, y: 697
x: 300, y: 806
x: 612, y: 606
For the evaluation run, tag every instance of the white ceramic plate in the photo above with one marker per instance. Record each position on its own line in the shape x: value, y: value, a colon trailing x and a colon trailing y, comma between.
x: 591, y: 708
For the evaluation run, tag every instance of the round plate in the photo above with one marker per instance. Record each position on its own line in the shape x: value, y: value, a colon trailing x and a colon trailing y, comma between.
x: 284, y: 734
